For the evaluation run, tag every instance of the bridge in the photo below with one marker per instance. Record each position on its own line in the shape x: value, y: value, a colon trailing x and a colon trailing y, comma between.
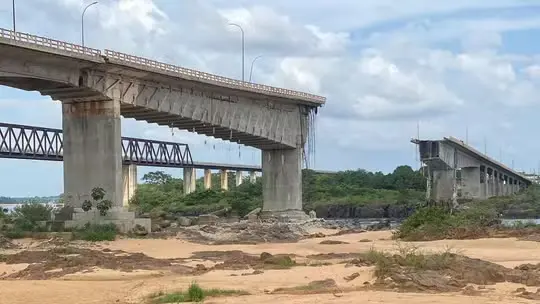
x: 457, y: 170
x: 97, y: 87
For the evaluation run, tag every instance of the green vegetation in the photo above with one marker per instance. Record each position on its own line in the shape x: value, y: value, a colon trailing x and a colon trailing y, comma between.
x: 194, y: 294
x: 161, y: 191
x: 96, y: 232
x: 473, y: 219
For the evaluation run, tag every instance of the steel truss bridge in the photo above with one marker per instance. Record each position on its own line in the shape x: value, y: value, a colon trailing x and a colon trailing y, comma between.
x: 38, y: 143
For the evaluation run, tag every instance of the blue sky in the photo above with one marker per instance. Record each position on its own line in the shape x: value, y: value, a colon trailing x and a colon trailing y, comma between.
x: 383, y: 65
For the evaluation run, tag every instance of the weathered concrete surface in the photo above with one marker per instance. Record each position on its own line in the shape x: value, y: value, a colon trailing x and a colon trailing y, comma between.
x: 129, y: 180
x: 224, y: 177
x: 207, y: 179
x: 124, y: 220
x: 190, y: 178
x: 251, y: 114
x: 282, y: 180
x: 92, y: 151
x: 455, y: 169
x: 470, y: 182
x: 239, y: 177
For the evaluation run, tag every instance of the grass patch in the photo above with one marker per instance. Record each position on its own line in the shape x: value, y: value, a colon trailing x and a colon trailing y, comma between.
x: 96, y: 232
x: 411, y: 257
x: 195, y: 293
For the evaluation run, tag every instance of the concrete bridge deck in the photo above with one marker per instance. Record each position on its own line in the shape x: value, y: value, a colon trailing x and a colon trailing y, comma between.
x: 97, y: 87
x: 457, y: 170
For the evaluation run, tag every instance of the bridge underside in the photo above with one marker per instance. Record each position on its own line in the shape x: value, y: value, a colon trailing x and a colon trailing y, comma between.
x: 92, y: 136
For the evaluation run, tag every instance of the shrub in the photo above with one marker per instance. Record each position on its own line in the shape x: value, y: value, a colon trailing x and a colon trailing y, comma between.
x: 96, y: 232
x: 26, y: 216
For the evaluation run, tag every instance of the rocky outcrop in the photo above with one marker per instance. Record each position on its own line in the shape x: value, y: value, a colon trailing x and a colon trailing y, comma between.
x: 368, y: 211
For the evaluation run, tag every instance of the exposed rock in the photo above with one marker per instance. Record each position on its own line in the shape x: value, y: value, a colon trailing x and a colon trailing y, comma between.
x: 332, y: 242
x: 351, y: 277
x: 5, y: 243
x: 165, y: 223
x: 184, y: 221
x: 139, y: 230
x: 206, y: 219
x: 255, y: 212
x: 312, y: 214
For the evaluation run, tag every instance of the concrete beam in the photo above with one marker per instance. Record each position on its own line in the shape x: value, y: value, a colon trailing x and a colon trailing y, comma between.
x: 224, y: 179
x: 207, y: 179
x: 129, y: 179
x: 92, y: 150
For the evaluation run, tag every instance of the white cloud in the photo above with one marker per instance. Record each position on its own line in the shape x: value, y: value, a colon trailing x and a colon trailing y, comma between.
x: 383, y: 66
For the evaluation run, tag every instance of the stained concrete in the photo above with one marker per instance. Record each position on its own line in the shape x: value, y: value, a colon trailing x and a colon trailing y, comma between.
x: 190, y: 178
x: 129, y: 179
x: 207, y: 179
x: 282, y: 180
x: 92, y: 151
x: 224, y: 179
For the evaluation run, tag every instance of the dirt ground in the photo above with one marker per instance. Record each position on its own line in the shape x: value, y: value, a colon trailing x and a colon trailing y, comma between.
x: 129, y: 270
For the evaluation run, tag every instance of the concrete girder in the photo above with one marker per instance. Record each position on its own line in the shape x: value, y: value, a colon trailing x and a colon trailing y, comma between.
x: 278, y: 123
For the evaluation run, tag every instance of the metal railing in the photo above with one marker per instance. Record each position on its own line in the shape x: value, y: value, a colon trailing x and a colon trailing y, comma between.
x: 47, y: 42
x: 158, y: 66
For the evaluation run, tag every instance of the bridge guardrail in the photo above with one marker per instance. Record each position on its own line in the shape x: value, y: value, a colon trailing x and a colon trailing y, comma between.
x: 207, y: 76
x: 181, y: 71
x: 50, y: 43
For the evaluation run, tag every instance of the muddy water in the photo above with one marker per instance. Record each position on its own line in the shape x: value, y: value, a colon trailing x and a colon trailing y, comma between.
x: 108, y: 286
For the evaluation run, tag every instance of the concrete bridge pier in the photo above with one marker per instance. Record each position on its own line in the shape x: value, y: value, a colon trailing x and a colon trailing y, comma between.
x: 224, y: 179
x: 239, y: 177
x: 190, y: 178
x: 252, y: 177
x: 129, y: 179
x: 207, y: 179
x: 282, y: 183
x: 92, y: 150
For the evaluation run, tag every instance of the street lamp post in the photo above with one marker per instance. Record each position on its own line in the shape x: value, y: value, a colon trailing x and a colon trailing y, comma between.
x: 251, y: 69
x: 82, y: 20
x: 13, y: 15
x: 243, y: 47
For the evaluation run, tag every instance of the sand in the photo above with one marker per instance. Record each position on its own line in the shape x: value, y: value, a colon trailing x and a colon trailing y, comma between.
x: 110, y: 286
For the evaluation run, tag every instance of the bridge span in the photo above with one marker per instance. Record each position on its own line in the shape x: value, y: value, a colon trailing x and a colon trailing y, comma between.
x: 455, y: 170
x: 97, y: 87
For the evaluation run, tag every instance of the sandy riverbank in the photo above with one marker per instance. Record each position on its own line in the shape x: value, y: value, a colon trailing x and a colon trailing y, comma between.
x: 127, y: 284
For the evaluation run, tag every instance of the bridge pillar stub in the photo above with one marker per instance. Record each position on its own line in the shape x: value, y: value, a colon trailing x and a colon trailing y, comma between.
x: 92, y: 151
x: 252, y: 177
x: 282, y: 184
x: 207, y: 179
x: 239, y: 177
x: 224, y: 179
x: 129, y: 179
x: 190, y: 178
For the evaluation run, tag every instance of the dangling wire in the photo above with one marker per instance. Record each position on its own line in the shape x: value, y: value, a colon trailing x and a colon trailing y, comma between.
x: 239, y: 152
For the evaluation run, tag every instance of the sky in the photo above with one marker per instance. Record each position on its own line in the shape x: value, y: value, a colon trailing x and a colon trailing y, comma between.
x: 389, y: 69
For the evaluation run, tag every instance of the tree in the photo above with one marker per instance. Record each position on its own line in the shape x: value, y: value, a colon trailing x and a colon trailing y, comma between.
x: 157, y: 178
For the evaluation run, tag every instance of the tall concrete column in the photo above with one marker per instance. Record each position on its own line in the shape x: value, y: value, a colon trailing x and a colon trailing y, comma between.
x: 224, y: 179
x: 129, y: 179
x: 190, y: 178
x: 470, y: 178
x: 282, y: 182
x: 207, y: 179
x: 252, y: 177
x: 239, y: 178
x: 92, y: 151
x: 442, y: 187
